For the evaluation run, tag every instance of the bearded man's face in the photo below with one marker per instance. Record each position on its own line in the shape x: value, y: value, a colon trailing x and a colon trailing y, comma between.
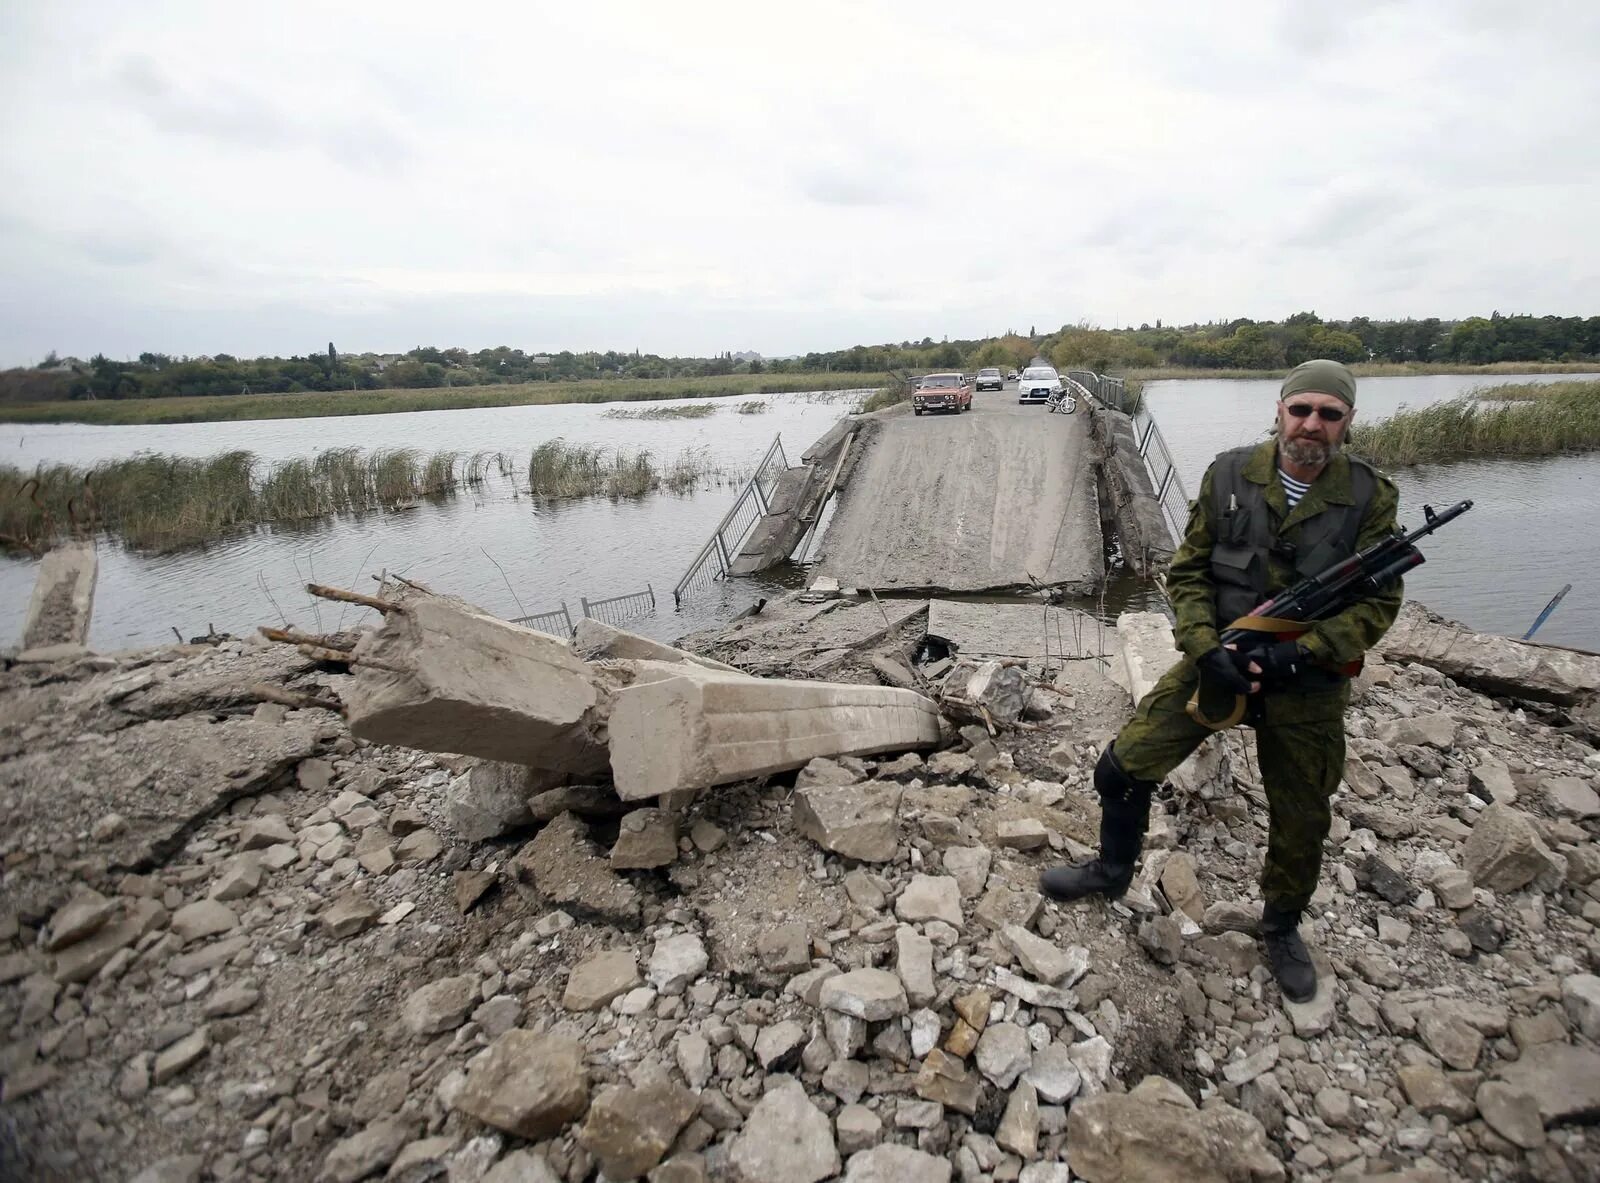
x: 1310, y: 439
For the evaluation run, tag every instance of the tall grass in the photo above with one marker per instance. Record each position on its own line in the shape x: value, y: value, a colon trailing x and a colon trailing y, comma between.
x: 382, y: 402
x: 559, y: 469
x: 1540, y: 420
x: 755, y: 406
x: 682, y: 411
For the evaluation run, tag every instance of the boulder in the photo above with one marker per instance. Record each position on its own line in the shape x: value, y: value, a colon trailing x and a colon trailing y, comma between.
x: 859, y: 821
x: 646, y: 838
x: 1152, y: 1136
x: 1505, y: 853
x: 629, y: 1129
x: 930, y: 897
x: 527, y: 1084
x: 439, y: 1006
x: 869, y: 994
x: 893, y: 1163
x: 1563, y: 1079
x: 598, y: 979
x: 490, y: 798
x: 786, y: 1139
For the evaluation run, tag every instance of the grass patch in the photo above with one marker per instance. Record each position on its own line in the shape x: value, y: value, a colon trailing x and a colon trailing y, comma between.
x: 898, y: 390
x: 758, y: 406
x: 385, y: 402
x: 559, y: 469
x: 685, y: 411
x: 1557, y: 417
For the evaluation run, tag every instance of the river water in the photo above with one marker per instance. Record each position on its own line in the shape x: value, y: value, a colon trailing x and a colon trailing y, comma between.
x: 549, y: 552
x: 1531, y: 531
x: 1534, y: 525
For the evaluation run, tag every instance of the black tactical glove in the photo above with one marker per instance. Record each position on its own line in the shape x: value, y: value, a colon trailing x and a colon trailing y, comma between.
x: 1225, y: 669
x: 1280, y: 662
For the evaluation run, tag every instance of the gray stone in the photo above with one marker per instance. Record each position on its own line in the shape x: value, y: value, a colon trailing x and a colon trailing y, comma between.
x: 825, y: 772
x: 1145, y: 1135
x: 778, y: 1047
x: 1450, y: 1037
x: 1564, y: 1080
x: 676, y: 962
x: 491, y: 798
x: 784, y: 948
x: 240, y: 877
x: 564, y: 865
x: 180, y: 1056
x: 1491, y: 782
x: 646, y: 838
x: 1435, y: 731
x: 930, y: 897
x: 1004, y: 1053
x: 203, y: 918
x: 1505, y: 852
x: 1511, y: 1113
x: 1244, y: 1070
x: 859, y: 821
x: 1568, y: 796
x: 694, y: 1059
x: 1580, y: 995
x: 893, y: 1163
x: 914, y: 964
x: 1429, y: 1090
x: 629, y: 1129
x: 786, y: 1139
x: 82, y: 916
x: 871, y: 995
x: 1044, y: 959
x: 368, y: 1152
x: 970, y: 866
x: 1053, y: 1074
x: 270, y: 829
x: 177, y: 1168
x: 598, y: 979
x: 526, y: 1084
x: 1021, y: 833
x: 1018, y: 1131
x: 351, y: 913
x: 858, y: 1126
x: 1181, y: 885
x: 520, y: 1166
x: 439, y: 1006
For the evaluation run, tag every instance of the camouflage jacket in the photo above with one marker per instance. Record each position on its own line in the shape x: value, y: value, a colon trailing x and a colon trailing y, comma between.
x: 1334, y: 641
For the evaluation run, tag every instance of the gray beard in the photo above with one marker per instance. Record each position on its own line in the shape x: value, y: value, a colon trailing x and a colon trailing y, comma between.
x: 1308, y: 452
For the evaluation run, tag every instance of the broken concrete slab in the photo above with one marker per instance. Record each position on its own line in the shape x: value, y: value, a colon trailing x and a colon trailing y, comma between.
x: 858, y: 821
x: 439, y: 677
x: 1494, y: 665
x: 595, y: 640
x: 63, y: 598
x: 708, y: 728
x: 1148, y: 650
x: 1041, y: 631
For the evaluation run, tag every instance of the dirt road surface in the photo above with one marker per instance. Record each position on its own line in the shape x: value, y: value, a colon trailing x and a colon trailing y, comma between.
x: 967, y: 503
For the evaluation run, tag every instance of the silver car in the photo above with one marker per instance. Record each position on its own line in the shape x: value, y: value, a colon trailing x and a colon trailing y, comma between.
x: 1037, y: 384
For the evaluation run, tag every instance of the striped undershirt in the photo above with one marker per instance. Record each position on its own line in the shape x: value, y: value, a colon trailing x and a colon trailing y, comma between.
x: 1293, y: 490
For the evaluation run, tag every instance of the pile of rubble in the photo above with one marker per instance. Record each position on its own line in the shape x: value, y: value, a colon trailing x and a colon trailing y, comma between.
x: 243, y: 939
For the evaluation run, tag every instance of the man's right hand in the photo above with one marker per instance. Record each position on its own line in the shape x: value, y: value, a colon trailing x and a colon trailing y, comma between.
x: 1227, y: 667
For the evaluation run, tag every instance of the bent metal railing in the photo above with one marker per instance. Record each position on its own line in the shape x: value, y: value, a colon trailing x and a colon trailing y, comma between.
x: 1169, y: 491
x: 611, y: 610
x: 716, y: 556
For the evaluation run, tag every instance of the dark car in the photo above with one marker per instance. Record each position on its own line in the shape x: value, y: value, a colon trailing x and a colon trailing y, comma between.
x: 942, y: 392
x: 989, y: 378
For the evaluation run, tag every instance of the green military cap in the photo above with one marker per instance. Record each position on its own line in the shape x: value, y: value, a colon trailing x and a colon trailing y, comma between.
x: 1321, y: 376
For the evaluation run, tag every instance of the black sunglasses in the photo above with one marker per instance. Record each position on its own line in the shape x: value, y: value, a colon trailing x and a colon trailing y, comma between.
x: 1303, y: 410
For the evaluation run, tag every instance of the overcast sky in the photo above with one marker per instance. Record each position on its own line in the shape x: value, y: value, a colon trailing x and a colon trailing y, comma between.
x: 690, y: 177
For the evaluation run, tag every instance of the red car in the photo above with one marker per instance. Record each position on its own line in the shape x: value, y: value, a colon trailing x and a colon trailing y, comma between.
x: 942, y: 392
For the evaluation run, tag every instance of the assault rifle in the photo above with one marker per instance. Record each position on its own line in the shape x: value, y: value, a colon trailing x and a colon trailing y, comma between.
x: 1287, y: 615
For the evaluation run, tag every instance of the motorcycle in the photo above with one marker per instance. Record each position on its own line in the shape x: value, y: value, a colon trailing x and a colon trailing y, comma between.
x: 1061, y: 400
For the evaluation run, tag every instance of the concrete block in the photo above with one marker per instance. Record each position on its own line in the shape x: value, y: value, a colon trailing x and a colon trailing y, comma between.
x: 595, y: 639
x: 446, y: 679
x: 1147, y: 648
x: 705, y: 728
x: 63, y: 597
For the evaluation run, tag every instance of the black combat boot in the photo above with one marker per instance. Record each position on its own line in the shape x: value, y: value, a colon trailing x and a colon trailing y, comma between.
x: 1124, y: 816
x: 1287, y: 953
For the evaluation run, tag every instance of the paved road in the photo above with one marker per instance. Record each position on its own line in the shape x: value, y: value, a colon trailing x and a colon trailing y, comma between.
x: 969, y: 503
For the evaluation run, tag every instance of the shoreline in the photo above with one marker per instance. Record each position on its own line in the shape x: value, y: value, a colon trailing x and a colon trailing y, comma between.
x: 394, y: 401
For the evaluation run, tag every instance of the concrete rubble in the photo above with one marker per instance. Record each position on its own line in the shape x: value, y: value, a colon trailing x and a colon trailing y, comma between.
x: 238, y: 940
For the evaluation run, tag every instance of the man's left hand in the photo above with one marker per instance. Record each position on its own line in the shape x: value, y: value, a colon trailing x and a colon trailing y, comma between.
x: 1280, y: 662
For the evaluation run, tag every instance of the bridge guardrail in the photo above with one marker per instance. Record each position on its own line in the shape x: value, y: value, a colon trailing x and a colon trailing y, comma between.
x: 1158, y: 463
x: 716, y: 556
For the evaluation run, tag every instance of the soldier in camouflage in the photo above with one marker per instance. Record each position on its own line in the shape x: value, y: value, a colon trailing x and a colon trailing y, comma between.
x: 1266, y: 516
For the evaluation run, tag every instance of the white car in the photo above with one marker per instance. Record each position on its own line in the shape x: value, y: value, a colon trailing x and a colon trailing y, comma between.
x: 1037, y: 384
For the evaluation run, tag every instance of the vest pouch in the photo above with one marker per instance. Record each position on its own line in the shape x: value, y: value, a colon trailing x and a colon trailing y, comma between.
x: 1241, y: 566
x: 1322, y: 556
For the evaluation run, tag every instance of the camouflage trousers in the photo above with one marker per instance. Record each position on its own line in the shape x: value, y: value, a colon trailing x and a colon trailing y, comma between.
x: 1300, y: 746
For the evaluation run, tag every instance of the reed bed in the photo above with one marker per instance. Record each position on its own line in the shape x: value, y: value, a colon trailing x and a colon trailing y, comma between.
x: 1546, y: 419
x: 685, y: 411
x: 757, y: 406
x: 559, y: 469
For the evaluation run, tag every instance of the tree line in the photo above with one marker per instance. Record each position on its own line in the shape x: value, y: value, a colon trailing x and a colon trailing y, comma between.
x: 1232, y: 345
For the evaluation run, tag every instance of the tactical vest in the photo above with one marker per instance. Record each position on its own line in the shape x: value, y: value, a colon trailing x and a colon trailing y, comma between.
x: 1247, y: 534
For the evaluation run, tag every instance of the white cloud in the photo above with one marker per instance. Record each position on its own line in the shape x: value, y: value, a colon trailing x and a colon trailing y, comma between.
x: 188, y: 177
